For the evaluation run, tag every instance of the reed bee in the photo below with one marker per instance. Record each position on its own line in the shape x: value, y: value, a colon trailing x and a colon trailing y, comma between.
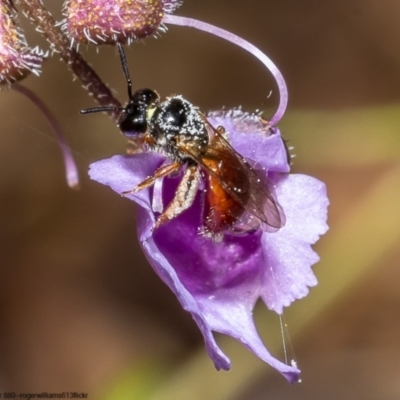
x: 236, y: 197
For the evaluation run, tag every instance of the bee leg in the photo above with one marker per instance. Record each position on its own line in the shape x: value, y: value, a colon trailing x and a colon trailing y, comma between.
x: 222, y: 132
x: 184, y: 198
x: 135, y: 145
x: 160, y: 172
x: 138, y: 143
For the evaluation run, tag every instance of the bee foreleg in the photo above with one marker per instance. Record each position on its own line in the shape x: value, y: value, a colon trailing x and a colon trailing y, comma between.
x: 184, y: 198
x: 135, y: 145
x: 160, y: 173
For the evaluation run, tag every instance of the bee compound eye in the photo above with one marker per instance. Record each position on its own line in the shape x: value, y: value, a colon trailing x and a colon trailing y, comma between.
x: 145, y: 97
x: 132, y: 125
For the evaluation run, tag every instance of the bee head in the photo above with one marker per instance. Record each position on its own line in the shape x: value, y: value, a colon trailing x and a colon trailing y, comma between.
x: 134, y: 118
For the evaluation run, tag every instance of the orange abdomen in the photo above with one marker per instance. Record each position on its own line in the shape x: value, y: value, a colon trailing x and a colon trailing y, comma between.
x: 221, y: 210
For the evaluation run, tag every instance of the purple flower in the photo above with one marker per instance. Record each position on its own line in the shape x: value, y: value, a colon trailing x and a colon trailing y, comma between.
x: 219, y: 283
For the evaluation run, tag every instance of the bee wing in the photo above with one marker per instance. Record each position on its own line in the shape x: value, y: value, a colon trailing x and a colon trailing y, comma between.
x: 257, y: 196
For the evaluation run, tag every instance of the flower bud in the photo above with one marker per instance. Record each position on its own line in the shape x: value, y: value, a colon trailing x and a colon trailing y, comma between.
x: 16, y: 59
x: 110, y: 21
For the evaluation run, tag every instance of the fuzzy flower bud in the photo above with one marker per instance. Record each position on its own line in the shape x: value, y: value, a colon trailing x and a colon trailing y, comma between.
x: 16, y: 59
x: 110, y: 21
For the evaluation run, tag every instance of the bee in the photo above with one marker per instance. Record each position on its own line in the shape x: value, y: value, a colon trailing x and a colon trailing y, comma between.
x: 236, y: 196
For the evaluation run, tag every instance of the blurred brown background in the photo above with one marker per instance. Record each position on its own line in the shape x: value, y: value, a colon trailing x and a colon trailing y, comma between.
x: 80, y: 308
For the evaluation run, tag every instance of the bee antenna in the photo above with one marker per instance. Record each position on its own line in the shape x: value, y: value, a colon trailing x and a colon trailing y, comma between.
x: 125, y: 68
x: 100, y: 109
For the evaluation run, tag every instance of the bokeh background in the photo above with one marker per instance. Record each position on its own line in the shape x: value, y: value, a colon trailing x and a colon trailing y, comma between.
x: 81, y: 309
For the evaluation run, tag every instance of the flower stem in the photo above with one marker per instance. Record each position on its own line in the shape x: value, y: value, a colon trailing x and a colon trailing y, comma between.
x: 230, y: 37
x: 60, y: 43
x: 71, y: 171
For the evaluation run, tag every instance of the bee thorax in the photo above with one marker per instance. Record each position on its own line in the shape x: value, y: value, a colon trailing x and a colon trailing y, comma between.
x: 179, y: 128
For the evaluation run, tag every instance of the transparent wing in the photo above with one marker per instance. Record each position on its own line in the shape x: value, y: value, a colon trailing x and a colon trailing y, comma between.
x: 250, y: 188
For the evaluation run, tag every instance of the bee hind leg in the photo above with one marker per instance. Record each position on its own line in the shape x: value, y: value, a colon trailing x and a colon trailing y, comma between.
x: 184, y: 197
x: 160, y: 173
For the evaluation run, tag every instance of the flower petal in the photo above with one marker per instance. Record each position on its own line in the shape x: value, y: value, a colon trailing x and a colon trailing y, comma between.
x: 231, y: 315
x: 288, y: 251
x: 167, y: 273
x: 123, y: 173
x: 203, y: 265
x: 219, y: 283
x: 224, y: 279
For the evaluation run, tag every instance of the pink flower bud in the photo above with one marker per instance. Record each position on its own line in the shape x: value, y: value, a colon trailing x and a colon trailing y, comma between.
x: 16, y: 59
x: 110, y: 21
